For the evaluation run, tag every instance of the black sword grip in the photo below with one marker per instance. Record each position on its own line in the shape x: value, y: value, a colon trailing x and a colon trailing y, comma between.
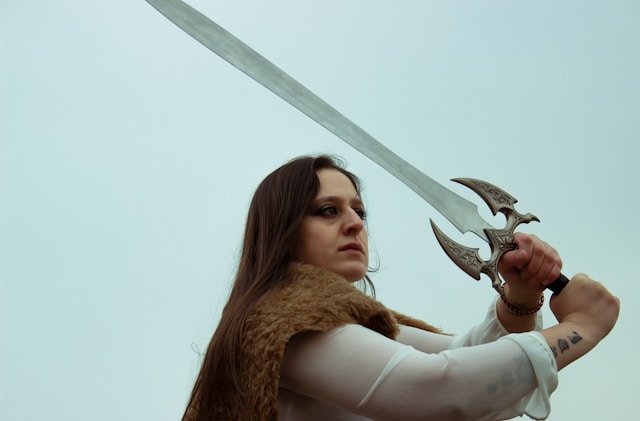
x: 559, y: 284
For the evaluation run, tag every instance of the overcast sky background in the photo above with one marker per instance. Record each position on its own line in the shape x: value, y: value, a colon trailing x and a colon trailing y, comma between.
x: 130, y: 153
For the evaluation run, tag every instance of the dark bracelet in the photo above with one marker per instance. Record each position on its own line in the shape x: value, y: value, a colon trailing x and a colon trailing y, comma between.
x: 516, y: 311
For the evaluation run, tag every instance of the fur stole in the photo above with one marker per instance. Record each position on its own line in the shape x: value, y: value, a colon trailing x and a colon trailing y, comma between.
x: 313, y: 299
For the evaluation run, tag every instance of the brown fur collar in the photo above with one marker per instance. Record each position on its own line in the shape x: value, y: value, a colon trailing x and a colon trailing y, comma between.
x: 312, y: 300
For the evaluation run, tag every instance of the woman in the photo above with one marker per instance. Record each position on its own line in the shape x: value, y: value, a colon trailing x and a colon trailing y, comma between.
x: 297, y: 340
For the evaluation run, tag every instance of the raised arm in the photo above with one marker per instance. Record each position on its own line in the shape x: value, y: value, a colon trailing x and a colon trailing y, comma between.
x: 526, y: 271
x: 585, y: 309
x: 366, y: 373
x: 363, y: 372
x: 587, y: 312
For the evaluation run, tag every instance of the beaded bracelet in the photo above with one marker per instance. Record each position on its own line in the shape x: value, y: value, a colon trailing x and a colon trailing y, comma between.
x: 515, y: 310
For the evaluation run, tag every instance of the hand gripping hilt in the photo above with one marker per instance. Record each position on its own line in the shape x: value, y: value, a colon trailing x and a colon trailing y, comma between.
x: 500, y: 240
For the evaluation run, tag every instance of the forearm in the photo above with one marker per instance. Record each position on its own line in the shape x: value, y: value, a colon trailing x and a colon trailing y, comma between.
x: 398, y: 382
x: 517, y: 323
x: 568, y: 342
x: 587, y: 312
x: 491, y: 328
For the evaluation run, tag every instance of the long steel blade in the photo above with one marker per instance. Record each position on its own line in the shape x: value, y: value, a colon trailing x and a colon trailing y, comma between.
x: 458, y: 210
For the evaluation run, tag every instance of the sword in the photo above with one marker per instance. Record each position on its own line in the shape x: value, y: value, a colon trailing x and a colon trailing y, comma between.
x: 462, y: 213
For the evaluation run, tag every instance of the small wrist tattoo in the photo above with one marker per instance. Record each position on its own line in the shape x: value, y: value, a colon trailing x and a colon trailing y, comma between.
x: 563, y: 344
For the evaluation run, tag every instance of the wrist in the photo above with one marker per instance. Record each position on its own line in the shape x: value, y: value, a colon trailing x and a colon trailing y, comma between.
x: 521, y: 304
x: 586, y: 327
x: 512, y: 319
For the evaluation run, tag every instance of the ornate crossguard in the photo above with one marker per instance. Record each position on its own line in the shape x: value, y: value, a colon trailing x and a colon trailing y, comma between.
x: 500, y: 240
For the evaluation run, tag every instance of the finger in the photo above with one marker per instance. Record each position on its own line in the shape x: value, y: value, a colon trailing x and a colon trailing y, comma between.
x: 524, y: 241
x: 514, y: 259
x: 555, y: 267
x: 532, y: 268
x: 522, y: 255
x: 549, y: 272
x: 550, y: 269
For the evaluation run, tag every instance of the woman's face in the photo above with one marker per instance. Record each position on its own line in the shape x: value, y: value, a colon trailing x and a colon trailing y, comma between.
x: 332, y: 234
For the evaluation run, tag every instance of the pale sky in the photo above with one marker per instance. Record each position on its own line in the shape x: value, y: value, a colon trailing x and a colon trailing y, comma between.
x: 130, y: 153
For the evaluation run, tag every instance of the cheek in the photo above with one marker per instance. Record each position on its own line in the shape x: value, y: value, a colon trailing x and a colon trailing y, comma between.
x: 307, y: 244
x: 315, y: 249
x: 311, y: 252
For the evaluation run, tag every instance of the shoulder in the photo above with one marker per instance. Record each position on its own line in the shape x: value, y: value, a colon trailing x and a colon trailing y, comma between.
x: 314, y: 299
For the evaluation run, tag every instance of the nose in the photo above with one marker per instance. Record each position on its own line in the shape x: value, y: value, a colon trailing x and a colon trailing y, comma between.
x: 353, y: 222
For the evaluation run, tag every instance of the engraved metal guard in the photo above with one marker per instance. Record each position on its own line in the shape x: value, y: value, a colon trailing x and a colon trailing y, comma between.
x: 500, y: 240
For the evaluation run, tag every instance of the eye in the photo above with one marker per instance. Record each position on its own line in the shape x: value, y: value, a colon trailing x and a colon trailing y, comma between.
x: 327, y: 210
x: 361, y: 213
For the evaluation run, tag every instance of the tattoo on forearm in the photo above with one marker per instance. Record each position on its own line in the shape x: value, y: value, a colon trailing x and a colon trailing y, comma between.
x: 522, y: 373
x: 563, y: 344
x: 575, y: 338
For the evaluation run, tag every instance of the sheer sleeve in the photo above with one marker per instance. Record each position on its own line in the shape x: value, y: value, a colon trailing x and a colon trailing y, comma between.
x: 489, y: 330
x: 370, y: 375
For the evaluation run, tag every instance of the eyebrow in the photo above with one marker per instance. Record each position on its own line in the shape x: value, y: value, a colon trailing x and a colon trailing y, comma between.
x: 353, y: 201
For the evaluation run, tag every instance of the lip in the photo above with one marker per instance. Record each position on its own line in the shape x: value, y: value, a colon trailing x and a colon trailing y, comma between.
x: 352, y: 247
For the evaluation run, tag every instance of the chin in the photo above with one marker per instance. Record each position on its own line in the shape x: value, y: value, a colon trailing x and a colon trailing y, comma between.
x: 353, y: 273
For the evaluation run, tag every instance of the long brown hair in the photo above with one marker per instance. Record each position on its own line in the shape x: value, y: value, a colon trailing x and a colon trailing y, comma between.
x: 277, y: 208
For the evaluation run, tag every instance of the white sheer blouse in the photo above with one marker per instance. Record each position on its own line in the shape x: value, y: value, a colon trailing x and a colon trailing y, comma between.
x: 352, y: 373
